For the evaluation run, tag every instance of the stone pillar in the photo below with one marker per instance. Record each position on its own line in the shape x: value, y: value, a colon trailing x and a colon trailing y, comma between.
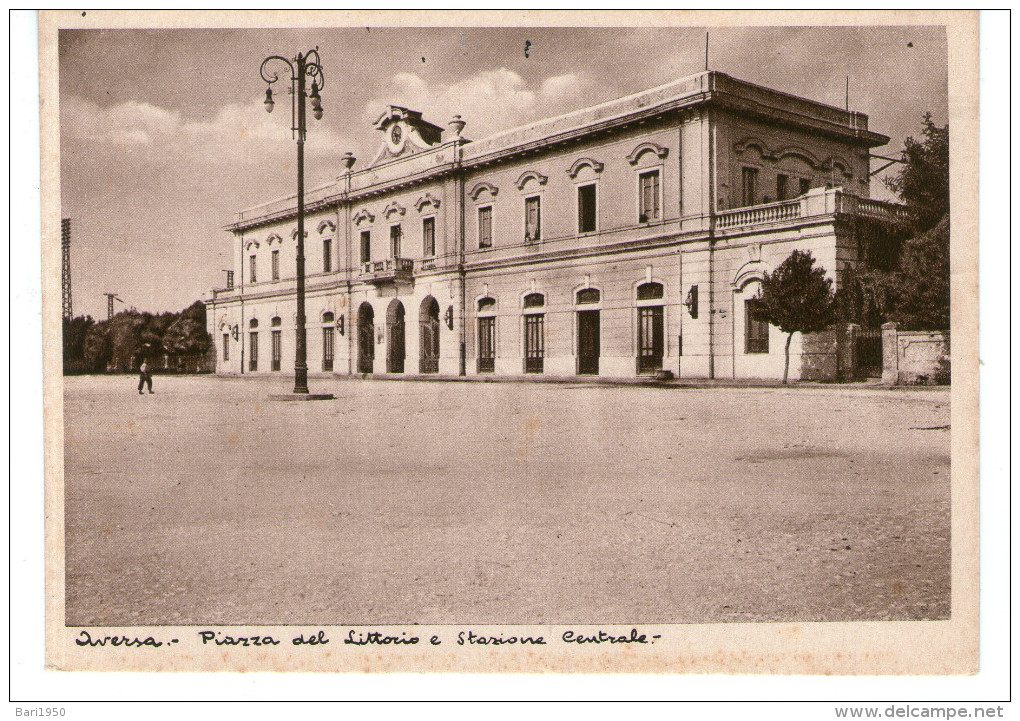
x: 890, y: 353
x: 847, y: 351
x: 817, y: 201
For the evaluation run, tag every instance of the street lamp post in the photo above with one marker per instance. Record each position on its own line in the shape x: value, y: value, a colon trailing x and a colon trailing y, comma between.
x: 303, y: 67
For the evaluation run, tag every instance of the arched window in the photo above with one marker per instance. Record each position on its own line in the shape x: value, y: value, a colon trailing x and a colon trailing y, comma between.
x: 588, y: 295
x: 253, y: 323
x: 327, y: 318
x: 649, y: 291
x: 534, y: 300
x: 275, y: 322
x: 486, y: 304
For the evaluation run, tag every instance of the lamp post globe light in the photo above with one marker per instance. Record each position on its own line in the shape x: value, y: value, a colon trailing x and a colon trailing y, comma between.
x: 302, y: 68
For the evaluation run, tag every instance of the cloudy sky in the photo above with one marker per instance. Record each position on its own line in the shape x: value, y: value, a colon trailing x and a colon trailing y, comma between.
x: 164, y: 137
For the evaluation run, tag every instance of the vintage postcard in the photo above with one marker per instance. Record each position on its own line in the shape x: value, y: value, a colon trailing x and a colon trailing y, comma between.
x: 511, y: 342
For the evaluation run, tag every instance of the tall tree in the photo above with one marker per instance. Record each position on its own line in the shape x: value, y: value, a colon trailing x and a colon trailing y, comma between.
x: 923, y: 181
x: 922, y: 278
x: 75, y: 331
x: 797, y: 298
x: 187, y: 334
x: 923, y: 288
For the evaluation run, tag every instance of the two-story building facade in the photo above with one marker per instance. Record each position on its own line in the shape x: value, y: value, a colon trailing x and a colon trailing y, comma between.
x: 616, y: 241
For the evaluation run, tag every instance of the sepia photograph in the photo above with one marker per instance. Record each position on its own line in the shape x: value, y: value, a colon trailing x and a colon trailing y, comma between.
x: 531, y: 337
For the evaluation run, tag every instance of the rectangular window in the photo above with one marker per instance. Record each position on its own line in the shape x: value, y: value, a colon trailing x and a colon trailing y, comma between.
x: 327, y: 349
x: 782, y: 186
x: 650, y: 338
x: 533, y: 218
x: 534, y: 343
x: 226, y: 346
x: 395, y: 241
x: 485, y: 227
x: 805, y: 185
x: 252, y: 278
x: 230, y: 279
x: 750, y: 185
x: 586, y: 208
x: 275, y: 257
x: 253, y: 351
x: 428, y: 237
x: 756, y: 330
x: 366, y: 246
x: 650, y: 196
x: 277, y: 349
x: 486, y: 345
x: 327, y: 255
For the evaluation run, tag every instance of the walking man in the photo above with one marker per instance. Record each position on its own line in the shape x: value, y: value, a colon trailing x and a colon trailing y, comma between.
x: 144, y: 377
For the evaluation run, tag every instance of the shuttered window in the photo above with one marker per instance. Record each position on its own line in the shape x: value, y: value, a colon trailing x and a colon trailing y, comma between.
x: 649, y: 203
x: 428, y: 235
x: 533, y: 218
x: 366, y: 246
x: 485, y: 227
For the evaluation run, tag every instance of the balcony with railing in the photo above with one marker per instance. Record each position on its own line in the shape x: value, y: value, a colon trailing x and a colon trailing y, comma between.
x: 759, y: 214
x: 815, y: 203
x: 387, y: 270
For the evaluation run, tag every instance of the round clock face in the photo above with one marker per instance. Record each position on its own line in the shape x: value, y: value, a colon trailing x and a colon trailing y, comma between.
x: 395, y: 134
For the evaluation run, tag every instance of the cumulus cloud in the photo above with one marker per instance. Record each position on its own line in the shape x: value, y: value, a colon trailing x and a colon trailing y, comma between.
x: 235, y: 133
x: 490, y: 100
x: 562, y: 86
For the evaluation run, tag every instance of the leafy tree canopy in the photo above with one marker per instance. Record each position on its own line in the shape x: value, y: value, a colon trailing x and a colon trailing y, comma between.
x: 923, y: 181
x: 797, y: 297
x: 122, y: 341
x: 922, y: 295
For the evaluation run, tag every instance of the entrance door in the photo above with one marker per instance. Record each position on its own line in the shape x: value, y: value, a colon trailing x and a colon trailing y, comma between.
x: 486, y: 345
x: 395, y: 332
x: 428, y: 331
x: 366, y: 338
x: 588, y: 342
x: 277, y: 349
x: 650, y: 339
x: 534, y: 343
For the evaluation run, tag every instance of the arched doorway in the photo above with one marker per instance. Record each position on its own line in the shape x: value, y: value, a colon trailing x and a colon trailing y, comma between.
x: 366, y: 338
x: 428, y: 332
x: 395, y: 335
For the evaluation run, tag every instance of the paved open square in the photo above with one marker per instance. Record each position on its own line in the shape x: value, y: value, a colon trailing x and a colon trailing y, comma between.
x: 429, y: 502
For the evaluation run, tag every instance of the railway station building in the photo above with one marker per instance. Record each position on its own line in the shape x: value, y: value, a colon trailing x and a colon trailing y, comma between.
x: 624, y: 239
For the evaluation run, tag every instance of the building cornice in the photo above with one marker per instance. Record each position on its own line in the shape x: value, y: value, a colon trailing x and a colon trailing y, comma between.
x: 708, y: 89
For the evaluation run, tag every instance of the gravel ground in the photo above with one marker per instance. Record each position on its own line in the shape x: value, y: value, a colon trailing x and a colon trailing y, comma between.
x: 417, y: 502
